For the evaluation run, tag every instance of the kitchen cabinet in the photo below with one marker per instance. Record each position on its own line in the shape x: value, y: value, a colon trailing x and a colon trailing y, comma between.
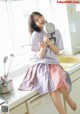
x: 75, y: 93
x: 20, y: 109
x: 40, y: 104
x: 36, y: 105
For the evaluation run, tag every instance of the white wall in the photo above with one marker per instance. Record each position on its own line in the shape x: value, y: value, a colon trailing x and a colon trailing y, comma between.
x: 74, y: 27
x: 60, y: 18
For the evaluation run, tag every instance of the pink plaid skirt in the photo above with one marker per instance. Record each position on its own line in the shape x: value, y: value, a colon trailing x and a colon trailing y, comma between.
x: 44, y: 78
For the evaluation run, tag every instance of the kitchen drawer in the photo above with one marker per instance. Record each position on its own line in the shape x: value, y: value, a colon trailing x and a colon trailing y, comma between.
x: 20, y: 109
x: 75, y: 75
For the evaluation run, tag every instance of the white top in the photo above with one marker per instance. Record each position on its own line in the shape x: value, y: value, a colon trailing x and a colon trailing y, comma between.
x: 49, y: 57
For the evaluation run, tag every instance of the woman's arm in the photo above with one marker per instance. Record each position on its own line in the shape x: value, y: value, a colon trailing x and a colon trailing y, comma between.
x: 42, y: 50
x: 54, y: 48
x: 37, y: 46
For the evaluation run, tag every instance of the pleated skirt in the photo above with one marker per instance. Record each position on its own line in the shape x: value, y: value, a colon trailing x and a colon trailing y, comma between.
x: 44, y: 78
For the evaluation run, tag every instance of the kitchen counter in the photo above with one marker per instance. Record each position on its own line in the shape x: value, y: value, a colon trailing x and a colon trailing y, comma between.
x: 16, y: 97
x: 71, y: 67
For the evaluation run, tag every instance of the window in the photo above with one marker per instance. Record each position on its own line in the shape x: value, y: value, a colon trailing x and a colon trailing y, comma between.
x: 5, y: 35
x: 19, y: 12
x: 14, y: 30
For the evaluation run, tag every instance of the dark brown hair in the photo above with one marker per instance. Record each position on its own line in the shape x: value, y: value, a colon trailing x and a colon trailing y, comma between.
x: 31, y: 24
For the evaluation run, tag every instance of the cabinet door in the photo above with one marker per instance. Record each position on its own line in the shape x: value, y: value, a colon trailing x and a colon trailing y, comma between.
x: 41, y: 105
x: 75, y: 95
x: 21, y: 109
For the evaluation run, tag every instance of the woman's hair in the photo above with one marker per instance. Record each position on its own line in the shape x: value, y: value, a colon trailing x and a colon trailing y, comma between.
x: 31, y: 24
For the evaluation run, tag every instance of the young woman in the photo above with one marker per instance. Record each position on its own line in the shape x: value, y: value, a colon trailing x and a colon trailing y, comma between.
x: 46, y: 75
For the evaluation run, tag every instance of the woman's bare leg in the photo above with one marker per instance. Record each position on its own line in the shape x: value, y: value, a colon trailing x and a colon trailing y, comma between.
x: 66, y: 95
x: 57, y: 101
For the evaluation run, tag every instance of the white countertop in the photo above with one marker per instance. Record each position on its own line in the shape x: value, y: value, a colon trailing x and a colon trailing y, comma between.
x: 16, y: 97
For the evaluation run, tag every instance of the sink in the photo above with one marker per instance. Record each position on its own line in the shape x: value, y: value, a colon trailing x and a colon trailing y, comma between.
x: 66, y: 66
x: 69, y: 59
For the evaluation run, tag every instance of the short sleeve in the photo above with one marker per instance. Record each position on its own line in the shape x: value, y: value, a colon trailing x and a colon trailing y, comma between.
x: 59, y: 41
x: 34, y: 42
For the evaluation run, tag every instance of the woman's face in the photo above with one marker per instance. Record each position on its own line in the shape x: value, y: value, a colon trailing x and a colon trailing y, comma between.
x: 39, y: 21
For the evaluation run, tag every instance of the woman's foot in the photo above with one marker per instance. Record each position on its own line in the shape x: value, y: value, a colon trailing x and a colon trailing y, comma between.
x: 72, y: 104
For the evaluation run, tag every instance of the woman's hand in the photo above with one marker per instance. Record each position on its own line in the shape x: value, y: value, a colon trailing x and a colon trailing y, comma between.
x: 42, y: 45
x: 53, y: 47
x: 46, y: 40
